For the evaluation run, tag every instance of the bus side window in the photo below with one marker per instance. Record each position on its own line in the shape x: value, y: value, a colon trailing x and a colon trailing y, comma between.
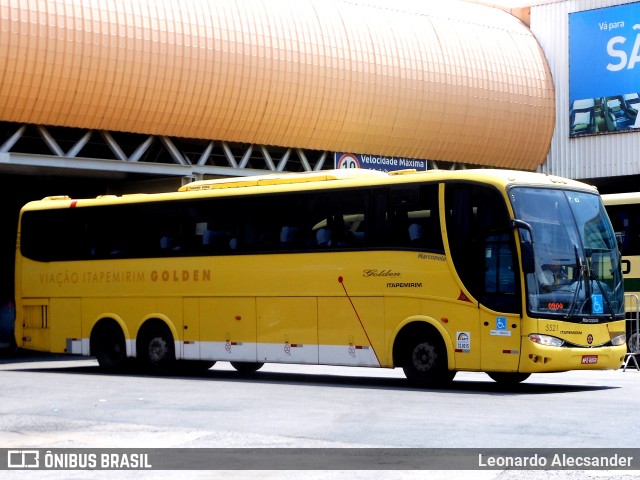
x: 323, y: 237
x: 624, y: 219
x: 483, y: 257
x: 424, y: 231
x: 416, y: 224
x: 499, y: 284
x: 331, y: 232
x: 338, y: 219
x: 291, y: 237
x: 216, y: 240
x: 620, y: 222
x: 267, y: 239
x: 416, y: 233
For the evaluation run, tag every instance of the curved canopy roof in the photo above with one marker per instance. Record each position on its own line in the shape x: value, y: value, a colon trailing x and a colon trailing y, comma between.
x: 448, y: 81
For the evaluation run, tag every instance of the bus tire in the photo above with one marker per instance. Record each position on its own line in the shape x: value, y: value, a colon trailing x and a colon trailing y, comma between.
x: 247, y: 367
x: 508, y: 378
x: 425, y: 362
x: 156, y: 349
x: 632, y: 342
x: 108, y: 345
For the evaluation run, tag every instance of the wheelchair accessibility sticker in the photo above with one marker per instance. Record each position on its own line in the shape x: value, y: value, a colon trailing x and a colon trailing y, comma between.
x: 501, y: 329
x: 596, y: 304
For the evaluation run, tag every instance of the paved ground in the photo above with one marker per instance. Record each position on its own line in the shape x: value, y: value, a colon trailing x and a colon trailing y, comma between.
x: 57, y: 402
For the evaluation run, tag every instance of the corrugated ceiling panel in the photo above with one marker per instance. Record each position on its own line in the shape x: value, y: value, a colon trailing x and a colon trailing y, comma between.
x: 454, y: 82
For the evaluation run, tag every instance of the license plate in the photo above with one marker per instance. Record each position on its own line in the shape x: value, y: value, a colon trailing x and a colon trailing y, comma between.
x: 589, y: 359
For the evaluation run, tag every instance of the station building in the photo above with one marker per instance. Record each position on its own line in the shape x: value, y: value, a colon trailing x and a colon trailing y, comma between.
x: 592, y: 48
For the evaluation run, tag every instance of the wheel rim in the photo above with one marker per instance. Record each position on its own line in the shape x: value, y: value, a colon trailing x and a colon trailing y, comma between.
x: 633, y: 343
x: 424, y: 357
x: 158, y: 349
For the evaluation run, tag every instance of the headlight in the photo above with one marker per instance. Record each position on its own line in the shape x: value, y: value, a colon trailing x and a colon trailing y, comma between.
x: 546, y: 340
x: 619, y: 340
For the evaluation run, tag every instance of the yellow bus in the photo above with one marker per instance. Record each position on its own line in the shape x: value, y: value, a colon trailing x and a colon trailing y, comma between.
x: 624, y: 212
x: 503, y: 272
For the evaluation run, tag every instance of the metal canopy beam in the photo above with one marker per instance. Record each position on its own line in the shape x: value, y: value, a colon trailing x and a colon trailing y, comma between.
x: 13, y: 161
x: 31, y: 148
x: 38, y: 147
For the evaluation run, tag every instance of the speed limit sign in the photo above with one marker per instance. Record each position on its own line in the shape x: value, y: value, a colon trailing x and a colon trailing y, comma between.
x: 348, y: 160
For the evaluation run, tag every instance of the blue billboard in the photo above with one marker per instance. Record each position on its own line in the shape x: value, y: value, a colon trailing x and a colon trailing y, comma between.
x: 377, y: 162
x: 604, y: 70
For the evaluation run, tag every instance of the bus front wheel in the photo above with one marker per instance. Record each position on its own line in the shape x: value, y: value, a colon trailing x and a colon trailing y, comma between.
x: 156, y: 349
x: 425, y: 363
x: 107, y: 344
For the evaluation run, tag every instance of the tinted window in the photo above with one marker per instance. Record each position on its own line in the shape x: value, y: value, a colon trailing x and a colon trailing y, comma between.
x: 408, y: 217
x: 400, y: 218
x: 481, y: 244
x: 626, y: 224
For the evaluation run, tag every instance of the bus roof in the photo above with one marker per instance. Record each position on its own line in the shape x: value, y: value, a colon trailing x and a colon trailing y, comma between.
x: 318, y: 180
x: 500, y: 176
x: 621, y: 198
x: 282, y: 178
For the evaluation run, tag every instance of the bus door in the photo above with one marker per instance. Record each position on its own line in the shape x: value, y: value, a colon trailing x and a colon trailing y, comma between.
x: 501, y: 337
x: 482, y: 247
x: 500, y: 324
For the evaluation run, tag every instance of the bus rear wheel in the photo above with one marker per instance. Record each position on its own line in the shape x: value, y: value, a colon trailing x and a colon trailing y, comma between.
x: 156, y: 349
x: 107, y: 344
x: 247, y: 367
x: 425, y: 363
x: 508, y: 378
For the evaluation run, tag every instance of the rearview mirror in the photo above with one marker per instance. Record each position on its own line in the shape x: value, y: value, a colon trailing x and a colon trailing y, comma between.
x: 528, y: 262
x: 526, y: 247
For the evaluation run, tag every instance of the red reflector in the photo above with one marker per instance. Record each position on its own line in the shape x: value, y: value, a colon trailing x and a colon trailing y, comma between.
x: 73, y: 204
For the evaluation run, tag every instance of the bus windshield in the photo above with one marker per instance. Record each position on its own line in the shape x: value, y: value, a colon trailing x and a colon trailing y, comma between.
x: 575, y: 271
